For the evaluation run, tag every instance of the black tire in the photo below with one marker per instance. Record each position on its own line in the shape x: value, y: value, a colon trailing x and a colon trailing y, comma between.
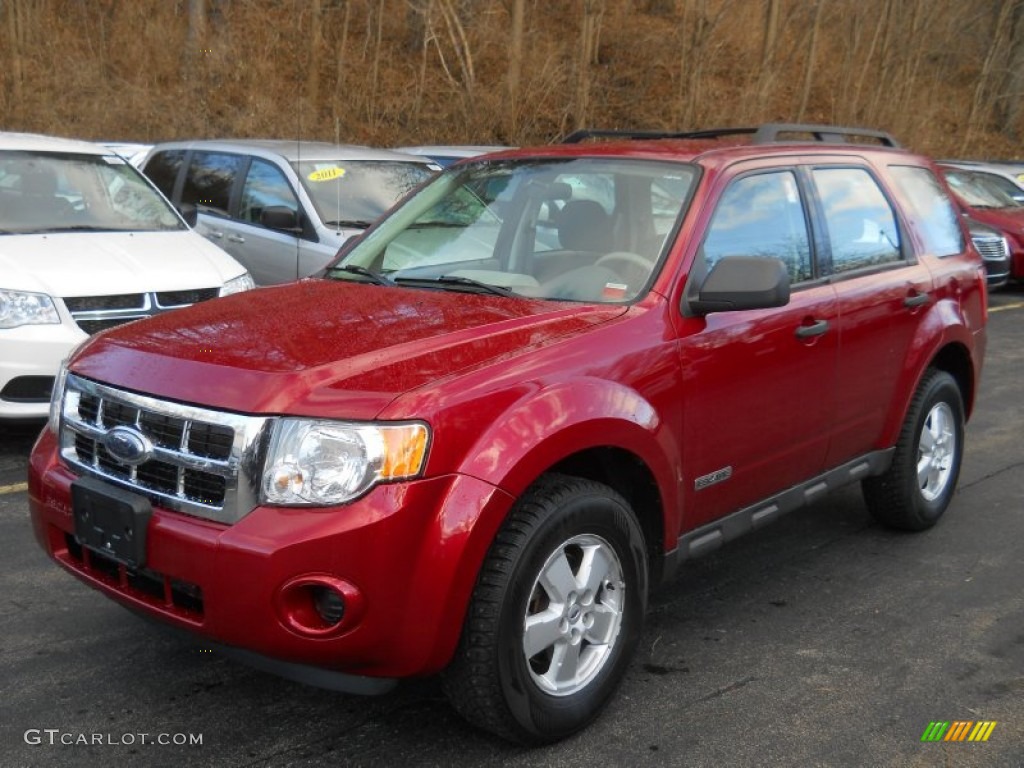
x: 902, y: 497
x: 491, y: 682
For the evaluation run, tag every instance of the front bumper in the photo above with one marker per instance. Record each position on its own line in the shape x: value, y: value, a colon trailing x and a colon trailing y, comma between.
x: 30, y: 356
x: 407, y: 554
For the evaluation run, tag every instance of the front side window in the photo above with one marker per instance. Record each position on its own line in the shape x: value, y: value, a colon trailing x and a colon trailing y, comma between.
x: 210, y: 178
x: 583, y: 229
x: 67, y: 192
x: 354, y: 193
x: 932, y: 209
x: 862, y: 228
x: 762, y: 215
x: 163, y: 169
x: 265, y: 186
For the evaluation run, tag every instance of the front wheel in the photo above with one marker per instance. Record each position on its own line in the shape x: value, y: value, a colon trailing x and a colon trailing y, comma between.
x: 555, y: 614
x: 918, y: 486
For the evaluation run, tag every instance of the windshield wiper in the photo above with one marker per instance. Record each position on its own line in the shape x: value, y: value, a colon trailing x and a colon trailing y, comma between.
x: 459, y: 280
x: 355, y: 223
x: 356, y: 269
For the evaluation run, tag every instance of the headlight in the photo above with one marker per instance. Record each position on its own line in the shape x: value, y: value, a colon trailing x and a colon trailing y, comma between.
x: 23, y: 308
x: 238, y: 284
x: 330, y: 462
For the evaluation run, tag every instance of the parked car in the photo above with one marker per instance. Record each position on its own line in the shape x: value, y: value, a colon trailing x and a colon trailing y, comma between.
x: 988, y: 203
x: 520, y: 401
x: 283, y: 208
x: 86, y: 243
x: 445, y: 155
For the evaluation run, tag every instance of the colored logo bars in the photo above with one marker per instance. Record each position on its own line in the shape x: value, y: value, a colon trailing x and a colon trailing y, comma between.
x: 958, y: 730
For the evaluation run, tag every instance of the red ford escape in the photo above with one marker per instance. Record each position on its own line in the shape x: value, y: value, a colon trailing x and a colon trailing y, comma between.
x: 517, y: 403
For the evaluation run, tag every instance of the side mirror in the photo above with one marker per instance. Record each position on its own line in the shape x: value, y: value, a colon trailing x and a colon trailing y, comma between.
x: 189, y: 213
x: 280, y: 218
x: 741, y: 282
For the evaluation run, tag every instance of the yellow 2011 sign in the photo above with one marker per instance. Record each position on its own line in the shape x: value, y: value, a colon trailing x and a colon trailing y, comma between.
x: 326, y: 174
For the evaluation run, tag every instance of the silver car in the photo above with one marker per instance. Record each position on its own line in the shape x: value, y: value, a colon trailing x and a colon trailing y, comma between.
x: 282, y: 207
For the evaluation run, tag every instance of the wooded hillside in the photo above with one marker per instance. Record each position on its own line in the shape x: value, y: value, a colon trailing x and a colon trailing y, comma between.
x: 945, y: 76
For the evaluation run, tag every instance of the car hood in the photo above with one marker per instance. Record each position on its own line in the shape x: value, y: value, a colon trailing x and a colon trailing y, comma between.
x: 103, y: 263
x: 325, y: 348
x: 1005, y: 219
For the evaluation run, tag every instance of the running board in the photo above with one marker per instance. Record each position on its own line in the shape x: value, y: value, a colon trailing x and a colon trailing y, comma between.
x: 711, y: 536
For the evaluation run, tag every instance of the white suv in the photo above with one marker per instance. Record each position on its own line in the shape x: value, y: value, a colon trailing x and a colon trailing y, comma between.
x: 86, y: 243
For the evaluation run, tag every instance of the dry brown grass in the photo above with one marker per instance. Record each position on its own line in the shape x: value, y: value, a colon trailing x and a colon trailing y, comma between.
x: 392, y: 72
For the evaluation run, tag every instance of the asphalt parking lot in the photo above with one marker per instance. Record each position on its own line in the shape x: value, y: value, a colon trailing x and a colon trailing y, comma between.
x: 823, y: 640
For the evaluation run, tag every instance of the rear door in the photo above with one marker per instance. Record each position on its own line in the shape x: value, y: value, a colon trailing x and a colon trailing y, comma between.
x: 884, y: 293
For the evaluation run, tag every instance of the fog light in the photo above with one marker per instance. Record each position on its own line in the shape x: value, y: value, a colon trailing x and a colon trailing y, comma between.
x: 319, y: 605
x: 329, y: 604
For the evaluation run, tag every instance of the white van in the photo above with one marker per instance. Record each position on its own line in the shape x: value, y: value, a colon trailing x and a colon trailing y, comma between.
x: 86, y: 243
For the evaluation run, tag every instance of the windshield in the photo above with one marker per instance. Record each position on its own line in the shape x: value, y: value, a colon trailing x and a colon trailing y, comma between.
x: 978, y: 191
x: 355, y: 193
x: 583, y: 229
x: 59, y: 192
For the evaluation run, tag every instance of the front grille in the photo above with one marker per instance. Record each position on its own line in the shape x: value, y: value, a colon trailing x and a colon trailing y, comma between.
x: 168, y: 299
x: 195, y: 460
x: 95, y: 326
x: 125, y: 301
x: 98, y: 313
x: 991, y: 248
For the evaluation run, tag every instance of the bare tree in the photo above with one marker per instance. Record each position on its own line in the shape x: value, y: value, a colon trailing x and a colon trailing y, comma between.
x: 515, y: 64
x: 809, y: 69
x: 1009, y: 109
x: 985, y: 85
x: 316, y: 44
x: 590, y: 33
x: 765, y: 75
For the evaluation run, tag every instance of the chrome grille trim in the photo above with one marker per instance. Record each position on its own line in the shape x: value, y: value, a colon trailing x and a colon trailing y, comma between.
x: 992, y: 248
x: 239, y: 470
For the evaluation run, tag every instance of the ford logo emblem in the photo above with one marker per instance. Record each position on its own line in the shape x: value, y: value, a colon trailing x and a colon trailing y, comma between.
x: 127, y: 445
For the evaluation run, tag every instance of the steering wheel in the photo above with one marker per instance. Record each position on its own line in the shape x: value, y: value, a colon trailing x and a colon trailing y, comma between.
x: 628, y: 265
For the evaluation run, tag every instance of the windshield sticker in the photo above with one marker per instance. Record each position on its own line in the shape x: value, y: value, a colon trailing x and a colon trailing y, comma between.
x: 327, y: 174
x: 614, y: 291
x: 114, y: 160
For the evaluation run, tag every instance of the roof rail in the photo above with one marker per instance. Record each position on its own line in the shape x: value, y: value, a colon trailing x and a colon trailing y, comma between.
x: 769, y: 133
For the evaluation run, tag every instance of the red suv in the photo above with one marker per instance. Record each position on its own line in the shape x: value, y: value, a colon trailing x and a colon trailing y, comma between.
x: 520, y: 401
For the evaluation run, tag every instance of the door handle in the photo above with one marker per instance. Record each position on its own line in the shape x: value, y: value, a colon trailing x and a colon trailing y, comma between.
x: 814, y: 329
x: 236, y: 239
x: 214, y: 235
x: 916, y: 300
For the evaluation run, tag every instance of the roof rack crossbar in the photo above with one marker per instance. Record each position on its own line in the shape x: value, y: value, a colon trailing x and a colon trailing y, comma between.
x: 768, y: 133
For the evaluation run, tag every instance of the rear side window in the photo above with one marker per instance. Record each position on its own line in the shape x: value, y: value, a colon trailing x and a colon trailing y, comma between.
x: 932, y: 209
x: 211, y: 175
x: 862, y: 228
x: 163, y: 168
x: 761, y: 215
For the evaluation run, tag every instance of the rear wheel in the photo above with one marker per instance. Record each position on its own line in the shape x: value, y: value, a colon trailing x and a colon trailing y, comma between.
x: 555, y: 614
x: 918, y: 486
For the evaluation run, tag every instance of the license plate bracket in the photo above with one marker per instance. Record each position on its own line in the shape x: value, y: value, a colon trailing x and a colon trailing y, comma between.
x: 111, y: 520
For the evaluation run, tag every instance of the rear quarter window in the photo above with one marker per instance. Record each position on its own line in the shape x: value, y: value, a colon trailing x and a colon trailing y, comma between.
x: 934, y: 214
